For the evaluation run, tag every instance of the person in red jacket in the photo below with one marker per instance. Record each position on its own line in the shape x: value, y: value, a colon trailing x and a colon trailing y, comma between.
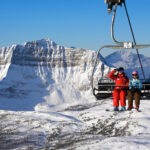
x: 121, y: 86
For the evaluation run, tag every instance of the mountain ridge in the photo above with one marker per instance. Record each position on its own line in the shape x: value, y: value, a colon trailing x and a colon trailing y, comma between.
x: 44, y: 74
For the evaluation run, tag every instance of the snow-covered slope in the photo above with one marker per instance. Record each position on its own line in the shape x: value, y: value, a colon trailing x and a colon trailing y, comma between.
x: 130, y: 62
x: 41, y: 74
x: 82, y: 127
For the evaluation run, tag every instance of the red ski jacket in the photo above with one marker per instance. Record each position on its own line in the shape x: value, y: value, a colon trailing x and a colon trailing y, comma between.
x: 120, y: 79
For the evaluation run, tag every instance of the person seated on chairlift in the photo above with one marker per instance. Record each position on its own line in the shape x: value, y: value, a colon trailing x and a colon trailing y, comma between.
x: 134, y: 92
x: 121, y: 86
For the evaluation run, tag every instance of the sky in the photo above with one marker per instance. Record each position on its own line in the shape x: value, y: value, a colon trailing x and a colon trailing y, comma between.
x: 78, y: 23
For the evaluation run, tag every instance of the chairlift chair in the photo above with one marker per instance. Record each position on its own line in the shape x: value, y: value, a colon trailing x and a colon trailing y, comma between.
x: 104, y: 88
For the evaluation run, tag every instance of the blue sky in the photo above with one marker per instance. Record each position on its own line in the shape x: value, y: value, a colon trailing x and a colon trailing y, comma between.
x: 79, y: 23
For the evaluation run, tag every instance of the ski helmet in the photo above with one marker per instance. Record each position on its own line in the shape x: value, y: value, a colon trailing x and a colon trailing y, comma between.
x: 134, y: 73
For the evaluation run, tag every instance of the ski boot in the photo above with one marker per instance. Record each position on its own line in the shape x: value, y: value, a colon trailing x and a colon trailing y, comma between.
x: 116, y: 109
x: 137, y: 108
x: 130, y: 108
x: 123, y: 108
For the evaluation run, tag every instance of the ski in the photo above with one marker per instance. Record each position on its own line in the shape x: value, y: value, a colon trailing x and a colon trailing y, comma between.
x: 138, y: 110
x: 110, y: 110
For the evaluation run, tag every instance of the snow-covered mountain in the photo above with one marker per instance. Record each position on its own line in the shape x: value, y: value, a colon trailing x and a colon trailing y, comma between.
x: 130, y: 62
x: 41, y: 74
x: 55, y: 81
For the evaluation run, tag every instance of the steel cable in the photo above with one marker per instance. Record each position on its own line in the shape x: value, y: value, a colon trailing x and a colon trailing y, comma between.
x: 134, y: 39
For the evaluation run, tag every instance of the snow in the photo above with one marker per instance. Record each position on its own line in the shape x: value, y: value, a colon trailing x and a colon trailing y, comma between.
x: 46, y: 102
x: 82, y: 126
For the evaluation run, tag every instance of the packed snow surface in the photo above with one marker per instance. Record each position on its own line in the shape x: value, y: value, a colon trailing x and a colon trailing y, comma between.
x: 46, y: 102
x: 81, y: 127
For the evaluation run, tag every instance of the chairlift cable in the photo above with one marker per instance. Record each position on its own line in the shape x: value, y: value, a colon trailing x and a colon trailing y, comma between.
x: 134, y: 39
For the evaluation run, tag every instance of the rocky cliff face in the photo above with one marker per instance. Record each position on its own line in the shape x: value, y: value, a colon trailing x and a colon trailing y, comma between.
x: 44, y: 74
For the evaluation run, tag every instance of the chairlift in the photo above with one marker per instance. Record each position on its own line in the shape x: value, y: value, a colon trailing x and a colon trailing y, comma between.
x: 104, y: 87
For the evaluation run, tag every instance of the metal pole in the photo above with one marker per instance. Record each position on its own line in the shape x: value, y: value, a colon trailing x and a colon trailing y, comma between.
x: 112, y: 26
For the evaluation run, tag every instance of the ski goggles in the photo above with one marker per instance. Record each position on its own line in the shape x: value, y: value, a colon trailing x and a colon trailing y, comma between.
x: 134, y: 75
x: 121, y: 71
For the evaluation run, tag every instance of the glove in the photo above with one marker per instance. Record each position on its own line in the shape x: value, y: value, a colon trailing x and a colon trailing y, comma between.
x: 116, y: 69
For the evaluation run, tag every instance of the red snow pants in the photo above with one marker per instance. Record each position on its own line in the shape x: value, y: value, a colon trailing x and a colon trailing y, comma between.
x: 119, y: 95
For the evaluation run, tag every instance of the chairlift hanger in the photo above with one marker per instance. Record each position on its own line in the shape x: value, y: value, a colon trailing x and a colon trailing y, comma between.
x: 112, y: 6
